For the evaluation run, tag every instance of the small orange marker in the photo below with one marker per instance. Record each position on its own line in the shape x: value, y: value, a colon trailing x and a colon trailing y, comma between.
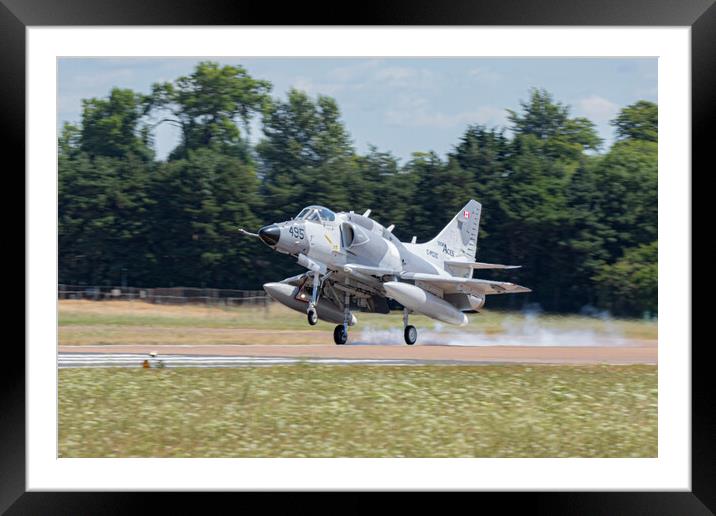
x: 145, y: 365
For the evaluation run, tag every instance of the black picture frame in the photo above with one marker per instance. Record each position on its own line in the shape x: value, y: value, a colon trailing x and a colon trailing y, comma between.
x: 16, y: 15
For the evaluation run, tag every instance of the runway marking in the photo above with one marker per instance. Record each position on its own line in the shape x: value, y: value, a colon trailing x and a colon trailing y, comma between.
x: 70, y: 360
x: 125, y: 355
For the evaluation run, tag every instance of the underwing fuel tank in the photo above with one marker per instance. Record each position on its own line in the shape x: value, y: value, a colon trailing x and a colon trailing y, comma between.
x: 289, y: 295
x: 419, y: 300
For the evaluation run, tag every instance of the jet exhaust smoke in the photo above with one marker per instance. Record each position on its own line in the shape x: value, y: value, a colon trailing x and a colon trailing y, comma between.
x: 527, y: 329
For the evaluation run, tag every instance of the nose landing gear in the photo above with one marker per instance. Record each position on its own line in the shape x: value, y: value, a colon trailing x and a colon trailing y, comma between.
x: 311, y: 313
x: 312, y: 316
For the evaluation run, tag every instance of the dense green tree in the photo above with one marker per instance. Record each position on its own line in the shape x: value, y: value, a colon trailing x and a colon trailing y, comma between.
x: 374, y: 170
x: 588, y: 232
x: 484, y: 153
x: 524, y: 192
x: 531, y: 233
x: 630, y: 285
x: 613, y: 207
x: 582, y: 223
x: 112, y: 126
x: 424, y: 169
x: 386, y: 189
x: 201, y: 201
x: 68, y: 144
x: 103, y: 170
x: 540, y: 116
x: 306, y: 156
x: 103, y: 219
x: 638, y: 121
x: 626, y: 179
x: 549, y: 122
x: 208, y: 105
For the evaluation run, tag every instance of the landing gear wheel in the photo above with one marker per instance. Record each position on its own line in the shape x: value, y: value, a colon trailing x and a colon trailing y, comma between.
x: 340, y: 335
x: 312, y: 316
x: 411, y: 335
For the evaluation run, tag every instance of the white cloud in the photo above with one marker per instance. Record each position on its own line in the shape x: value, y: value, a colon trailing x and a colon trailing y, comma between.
x: 319, y: 87
x: 374, y: 73
x: 404, y: 77
x: 364, y: 77
x: 647, y: 93
x: 105, y: 79
x: 484, y: 75
x: 72, y: 90
x: 69, y: 104
x: 354, y: 71
x: 416, y: 112
x: 596, y: 108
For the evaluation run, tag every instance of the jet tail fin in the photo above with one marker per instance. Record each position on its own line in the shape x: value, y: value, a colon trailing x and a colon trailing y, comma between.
x: 460, y: 235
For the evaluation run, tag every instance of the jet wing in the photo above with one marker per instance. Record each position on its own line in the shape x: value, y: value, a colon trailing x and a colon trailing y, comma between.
x: 481, y: 265
x: 465, y: 285
x: 371, y: 271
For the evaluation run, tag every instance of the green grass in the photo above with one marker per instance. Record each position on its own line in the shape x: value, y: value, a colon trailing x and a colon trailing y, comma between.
x: 85, y: 322
x: 159, y: 321
x: 359, y: 411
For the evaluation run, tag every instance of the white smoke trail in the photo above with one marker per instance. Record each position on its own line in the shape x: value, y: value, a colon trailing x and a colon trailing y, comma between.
x: 525, y: 330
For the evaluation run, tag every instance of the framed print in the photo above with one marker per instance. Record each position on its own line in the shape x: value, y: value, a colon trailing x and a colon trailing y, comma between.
x: 181, y: 160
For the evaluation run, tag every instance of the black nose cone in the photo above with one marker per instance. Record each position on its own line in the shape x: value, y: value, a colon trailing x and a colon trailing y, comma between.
x: 270, y: 234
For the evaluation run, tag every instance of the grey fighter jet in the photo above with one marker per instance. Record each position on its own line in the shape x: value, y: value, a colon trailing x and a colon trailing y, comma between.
x: 356, y: 264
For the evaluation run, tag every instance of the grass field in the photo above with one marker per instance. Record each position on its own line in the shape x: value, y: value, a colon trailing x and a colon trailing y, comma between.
x: 359, y: 411
x: 136, y: 322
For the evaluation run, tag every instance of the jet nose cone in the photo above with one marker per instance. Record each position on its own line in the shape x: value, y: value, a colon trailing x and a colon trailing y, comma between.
x: 276, y: 290
x: 270, y: 235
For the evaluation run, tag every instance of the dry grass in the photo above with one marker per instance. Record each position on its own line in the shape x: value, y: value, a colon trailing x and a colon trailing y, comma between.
x: 140, y: 312
x: 136, y: 322
x: 110, y: 334
x: 353, y: 411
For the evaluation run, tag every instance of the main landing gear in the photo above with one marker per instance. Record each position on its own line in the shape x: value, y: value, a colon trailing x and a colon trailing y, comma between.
x: 311, y: 313
x: 340, y: 333
x: 410, y: 333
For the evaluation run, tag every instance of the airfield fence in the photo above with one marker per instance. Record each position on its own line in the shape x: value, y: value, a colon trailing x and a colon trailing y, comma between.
x: 167, y: 295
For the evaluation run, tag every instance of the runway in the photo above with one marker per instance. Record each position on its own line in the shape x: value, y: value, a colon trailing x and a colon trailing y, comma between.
x: 66, y: 360
x: 208, y: 355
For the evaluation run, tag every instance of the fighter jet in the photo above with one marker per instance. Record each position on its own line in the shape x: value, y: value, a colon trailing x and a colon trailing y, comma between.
x: 356, y: 264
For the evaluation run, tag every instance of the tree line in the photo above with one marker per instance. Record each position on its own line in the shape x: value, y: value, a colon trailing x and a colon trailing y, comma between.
x: 581, y: 220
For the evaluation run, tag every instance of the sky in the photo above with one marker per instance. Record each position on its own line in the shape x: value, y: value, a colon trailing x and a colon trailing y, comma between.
x: 401, y: 105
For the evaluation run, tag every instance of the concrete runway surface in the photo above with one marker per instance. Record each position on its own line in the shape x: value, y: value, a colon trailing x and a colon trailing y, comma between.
x: 208, y: 355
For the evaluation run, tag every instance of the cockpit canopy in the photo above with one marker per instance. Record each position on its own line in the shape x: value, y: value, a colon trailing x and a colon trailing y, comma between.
x: 316, y: 214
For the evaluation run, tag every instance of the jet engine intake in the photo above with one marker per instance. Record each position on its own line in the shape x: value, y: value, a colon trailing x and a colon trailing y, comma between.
x: 476, y: 301
x: 352, y: 235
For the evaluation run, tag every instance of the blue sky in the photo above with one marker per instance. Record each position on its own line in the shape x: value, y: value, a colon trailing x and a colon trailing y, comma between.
x: 400, y: 105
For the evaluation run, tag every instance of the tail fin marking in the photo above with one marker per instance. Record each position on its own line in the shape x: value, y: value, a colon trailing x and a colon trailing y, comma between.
x: 459, y: 237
